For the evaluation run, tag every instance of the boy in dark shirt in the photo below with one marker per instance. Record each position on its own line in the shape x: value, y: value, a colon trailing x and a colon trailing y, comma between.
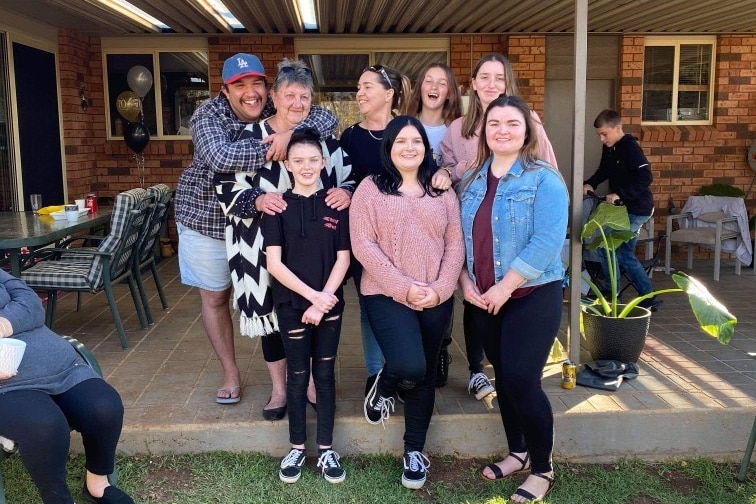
x: 307, y: 249
x: 628, y: 171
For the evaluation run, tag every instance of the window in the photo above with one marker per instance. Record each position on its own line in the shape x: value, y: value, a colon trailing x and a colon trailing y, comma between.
x: 337, y: 63
x: 180, y: 83
x: 678, y: 80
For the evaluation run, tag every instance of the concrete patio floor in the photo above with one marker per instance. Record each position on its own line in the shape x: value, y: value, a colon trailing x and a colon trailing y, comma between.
x: 694, y: 397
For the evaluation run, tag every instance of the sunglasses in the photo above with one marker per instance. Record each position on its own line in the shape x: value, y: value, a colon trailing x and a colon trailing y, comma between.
x: 291, y: 69
x: 380, y: 70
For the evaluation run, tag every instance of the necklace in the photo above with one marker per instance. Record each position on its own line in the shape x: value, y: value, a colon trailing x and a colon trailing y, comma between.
x: 373, y: 136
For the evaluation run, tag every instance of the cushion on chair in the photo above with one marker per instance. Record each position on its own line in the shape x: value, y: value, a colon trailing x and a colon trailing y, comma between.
x: 701, y: 236
x: 58, y: 274
x: 133, y: 199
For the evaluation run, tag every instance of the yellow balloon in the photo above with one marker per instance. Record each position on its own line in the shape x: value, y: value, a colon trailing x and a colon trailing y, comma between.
x: 128, y: 105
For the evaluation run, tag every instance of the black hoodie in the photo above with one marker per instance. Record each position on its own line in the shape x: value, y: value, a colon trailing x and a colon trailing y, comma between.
x: 310, y: 234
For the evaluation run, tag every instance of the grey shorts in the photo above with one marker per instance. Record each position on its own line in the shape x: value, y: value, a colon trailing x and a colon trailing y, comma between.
x: 202, y: 260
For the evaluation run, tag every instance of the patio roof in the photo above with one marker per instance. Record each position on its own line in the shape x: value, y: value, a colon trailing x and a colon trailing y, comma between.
x: 400, y: 16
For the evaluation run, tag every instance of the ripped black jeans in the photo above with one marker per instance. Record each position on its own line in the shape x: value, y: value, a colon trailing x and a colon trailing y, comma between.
x: 303, y: 343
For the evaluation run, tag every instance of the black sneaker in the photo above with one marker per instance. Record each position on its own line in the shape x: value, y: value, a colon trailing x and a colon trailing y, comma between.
x: 415, y: 469
x: 331, y: 468
x: 369, y: 383
x: 442, y: 371
x: 291, y: 466
x: 480, y: 385
x: 376, y: 406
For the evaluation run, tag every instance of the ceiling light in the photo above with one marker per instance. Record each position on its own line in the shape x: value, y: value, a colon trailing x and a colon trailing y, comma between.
x: 220, y: 12
x: 307, y: 13
x: 135, y: 14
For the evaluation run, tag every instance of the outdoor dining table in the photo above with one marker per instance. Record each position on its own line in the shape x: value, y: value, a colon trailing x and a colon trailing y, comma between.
x: 26, y: 229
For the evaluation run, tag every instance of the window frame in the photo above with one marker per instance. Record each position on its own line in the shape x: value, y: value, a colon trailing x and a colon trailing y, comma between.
x: 676, y: 42
x: 152, y: 46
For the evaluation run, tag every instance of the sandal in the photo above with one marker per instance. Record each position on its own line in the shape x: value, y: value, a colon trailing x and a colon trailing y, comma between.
x: 230, y: 399
x: 533, y: 498
x: 496, y: 470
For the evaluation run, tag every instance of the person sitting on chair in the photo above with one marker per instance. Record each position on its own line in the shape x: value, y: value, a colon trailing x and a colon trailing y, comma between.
x: 53, y: 391
x: 626, y: 168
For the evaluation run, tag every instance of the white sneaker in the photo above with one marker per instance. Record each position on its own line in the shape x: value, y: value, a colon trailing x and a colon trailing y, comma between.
x: 480, y: 385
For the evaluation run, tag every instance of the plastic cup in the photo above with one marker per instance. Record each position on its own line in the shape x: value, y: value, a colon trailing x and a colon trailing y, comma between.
x: 11, y: 353
x: 72, y: 212
x: 81, y: 203
x: 36, y: 202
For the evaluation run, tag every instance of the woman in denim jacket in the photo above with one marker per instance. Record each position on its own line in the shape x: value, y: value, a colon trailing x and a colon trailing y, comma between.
x: 514, y: 219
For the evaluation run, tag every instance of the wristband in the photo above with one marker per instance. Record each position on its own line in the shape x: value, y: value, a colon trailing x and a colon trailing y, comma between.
x: 447, y: 170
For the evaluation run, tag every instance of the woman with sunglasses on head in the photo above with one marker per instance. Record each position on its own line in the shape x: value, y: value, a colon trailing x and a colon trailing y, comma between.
x: 436, y: 102
x: 491, y: 77
x: 514, y: 215
x: 380, y: 90
x: 244, y: 198
x: 408, y: 238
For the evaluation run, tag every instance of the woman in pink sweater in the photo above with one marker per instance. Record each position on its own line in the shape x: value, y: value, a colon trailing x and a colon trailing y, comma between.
x: 491, y: 77
x: 408, y: 238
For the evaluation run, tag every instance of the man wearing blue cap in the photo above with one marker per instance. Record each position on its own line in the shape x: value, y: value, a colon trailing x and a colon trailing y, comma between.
x: 217, y: 127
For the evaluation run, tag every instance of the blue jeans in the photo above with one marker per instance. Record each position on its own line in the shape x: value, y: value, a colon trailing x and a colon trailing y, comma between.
x: 303, y: 343
x: 373, y: 354
x: 628, y: 261
x: 411, y: 342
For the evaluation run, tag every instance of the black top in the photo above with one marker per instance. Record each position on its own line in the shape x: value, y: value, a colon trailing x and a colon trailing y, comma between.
x: 364, y: 150
x: 310, y: 234
x: 629, y: 175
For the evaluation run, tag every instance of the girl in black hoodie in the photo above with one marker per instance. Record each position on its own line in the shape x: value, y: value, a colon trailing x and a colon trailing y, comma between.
x: 307, y: 253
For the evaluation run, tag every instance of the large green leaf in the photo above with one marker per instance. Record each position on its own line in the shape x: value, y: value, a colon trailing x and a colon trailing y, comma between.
x: 606, y: 216
x: 713, y: 317
x: 613, y: 240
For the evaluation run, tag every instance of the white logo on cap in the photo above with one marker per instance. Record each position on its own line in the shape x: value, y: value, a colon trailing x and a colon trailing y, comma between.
x: 242, y: 62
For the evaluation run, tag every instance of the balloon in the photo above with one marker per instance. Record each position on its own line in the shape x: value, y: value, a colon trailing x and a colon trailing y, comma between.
x: 137, y: 136
x: 128, y: 105
x: 140, y: 80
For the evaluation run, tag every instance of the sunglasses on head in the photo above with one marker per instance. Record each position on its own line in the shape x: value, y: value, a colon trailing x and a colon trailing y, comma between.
x: 291, y: 69
x: 380, y: 70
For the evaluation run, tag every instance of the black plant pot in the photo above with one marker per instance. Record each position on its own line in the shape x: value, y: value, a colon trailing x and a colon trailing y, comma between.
x: 614, y: 338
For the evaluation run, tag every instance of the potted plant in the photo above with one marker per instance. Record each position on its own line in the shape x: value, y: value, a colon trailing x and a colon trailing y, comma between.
x: 618, y: 331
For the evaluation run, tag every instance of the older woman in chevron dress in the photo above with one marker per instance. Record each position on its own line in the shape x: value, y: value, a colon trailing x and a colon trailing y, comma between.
x: 246, y: 196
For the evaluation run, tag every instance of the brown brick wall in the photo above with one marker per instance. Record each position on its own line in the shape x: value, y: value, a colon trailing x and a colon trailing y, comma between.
x: 528, y: 57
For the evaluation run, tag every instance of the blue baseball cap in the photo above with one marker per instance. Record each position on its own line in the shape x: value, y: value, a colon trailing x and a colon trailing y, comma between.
x: 242, y: 65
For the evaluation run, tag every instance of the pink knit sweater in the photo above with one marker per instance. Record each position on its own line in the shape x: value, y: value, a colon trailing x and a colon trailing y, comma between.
x: 401, y: 239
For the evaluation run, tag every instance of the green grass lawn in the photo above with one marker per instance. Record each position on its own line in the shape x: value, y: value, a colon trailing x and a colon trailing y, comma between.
x: 253, y: 478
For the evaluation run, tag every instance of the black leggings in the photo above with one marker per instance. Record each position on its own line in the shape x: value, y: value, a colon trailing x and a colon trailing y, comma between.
x: 41, y: 424
x: 517, y: 342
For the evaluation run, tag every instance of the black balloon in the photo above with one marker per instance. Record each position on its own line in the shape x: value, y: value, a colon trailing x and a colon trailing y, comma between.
x: 137, y: 136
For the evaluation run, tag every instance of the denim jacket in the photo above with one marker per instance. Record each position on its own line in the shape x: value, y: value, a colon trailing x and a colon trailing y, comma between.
x: 528, y: 221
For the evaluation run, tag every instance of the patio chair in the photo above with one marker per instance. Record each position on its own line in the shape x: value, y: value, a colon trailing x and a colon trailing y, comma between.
x: 148, y: 246
x: 97, y: 269
x: 714, y: 222
x: 8, y: 446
